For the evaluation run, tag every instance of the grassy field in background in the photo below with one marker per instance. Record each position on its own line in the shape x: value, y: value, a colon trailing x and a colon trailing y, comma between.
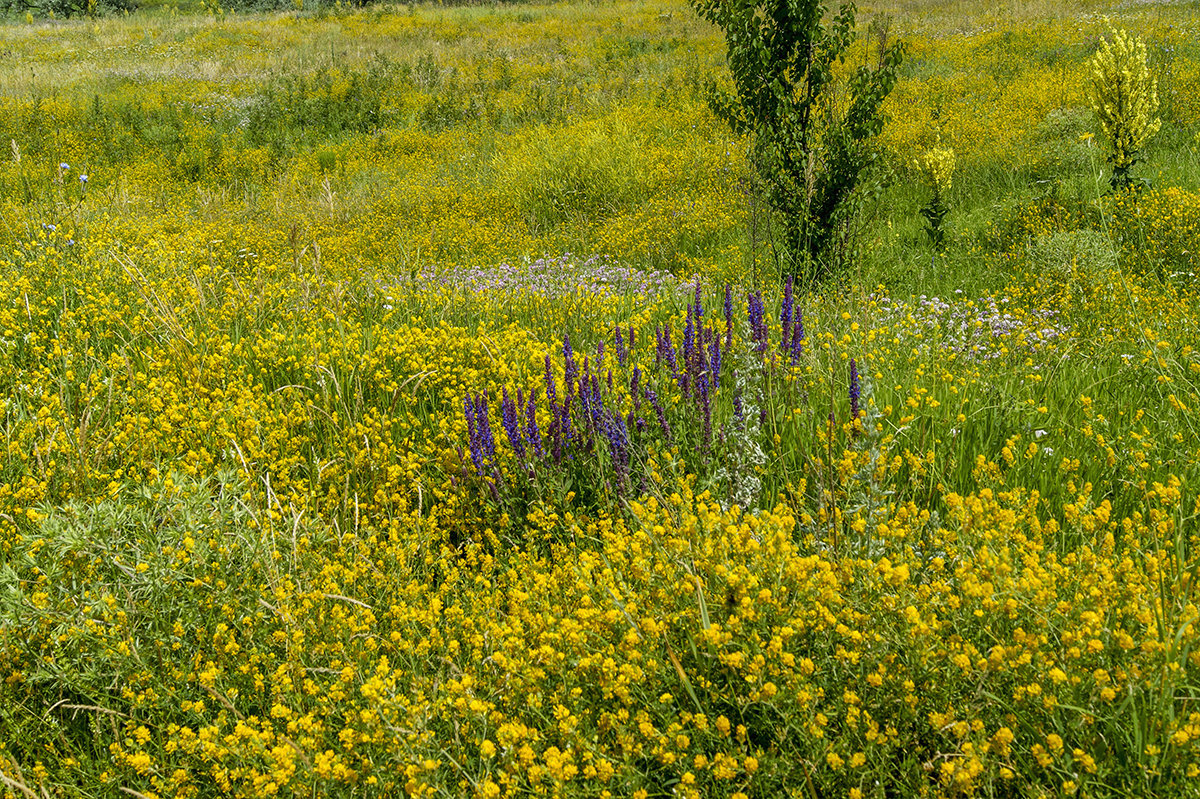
x: 405, y: 400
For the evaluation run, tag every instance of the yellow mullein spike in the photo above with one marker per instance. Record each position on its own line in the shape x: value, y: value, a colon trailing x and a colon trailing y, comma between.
x: 937, y: 165
x: 1125, y: 96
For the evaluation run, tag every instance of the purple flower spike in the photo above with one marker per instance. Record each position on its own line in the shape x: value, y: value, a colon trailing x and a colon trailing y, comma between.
x: 564, y: 418
x: 479, y: 431
x: 667, y: 349
x: 509, y: 417
x: 591, y: 402
x: 473, y: 434
x: 661, y: 415
x: 531, y: 428
x: 758, y: 325
x: 617, y: 434
x: 689, y: 339
x: 855, y: 390
x: 572, y: 369
x: 485, y: 426
x: 584, y: 395
x: 797, y: 343
x: 560, y: 430
x: 689, y: 356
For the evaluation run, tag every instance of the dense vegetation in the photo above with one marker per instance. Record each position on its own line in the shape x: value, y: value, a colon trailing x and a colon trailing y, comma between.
x: 407, y: 399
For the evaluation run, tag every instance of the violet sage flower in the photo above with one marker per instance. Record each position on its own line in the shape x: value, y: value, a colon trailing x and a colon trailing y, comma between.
x: 855, y: 390
x: 618, y: 447
x: 797, y: 342
x: 531, y: 427
x: 572, y: 369
x: 659, y: 413
x: 758, y: 326
x: 668, y: 349
x: 509, y: 417
x: 479, y: 431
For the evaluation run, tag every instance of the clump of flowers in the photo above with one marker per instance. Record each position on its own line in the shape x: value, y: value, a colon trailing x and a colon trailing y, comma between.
x: 610, y: 426
x: 937, y: 167
x: 978, y: 329
x: 1125, y: 97
x: 554, y: 277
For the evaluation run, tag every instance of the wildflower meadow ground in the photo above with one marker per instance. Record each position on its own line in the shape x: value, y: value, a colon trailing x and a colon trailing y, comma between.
x: 405, y: 400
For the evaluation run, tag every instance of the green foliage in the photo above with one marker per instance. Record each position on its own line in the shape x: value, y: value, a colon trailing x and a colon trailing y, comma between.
x: 187, y: 544
x: 935, y: 212
x: 581, y: 172
x: 811, y: 135
x: 1077, y: 263
x: 327, y: 103
x: 66, y: 8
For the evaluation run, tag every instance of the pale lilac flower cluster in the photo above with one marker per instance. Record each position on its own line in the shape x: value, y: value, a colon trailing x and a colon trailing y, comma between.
x: 977, y: 329
x: 556, y: 277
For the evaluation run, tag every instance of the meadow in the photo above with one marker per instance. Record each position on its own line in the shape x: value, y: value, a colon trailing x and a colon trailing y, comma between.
x: 405, y: 400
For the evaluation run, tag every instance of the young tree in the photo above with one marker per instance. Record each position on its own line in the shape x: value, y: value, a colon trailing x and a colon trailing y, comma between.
x: 811, y: 140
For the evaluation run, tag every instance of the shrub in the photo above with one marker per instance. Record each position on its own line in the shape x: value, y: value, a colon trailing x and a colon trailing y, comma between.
x: 325, y: 104
x: 1080, y: 262
x: 67, y: 8
x: 811, y: 138
x: 586, y: 170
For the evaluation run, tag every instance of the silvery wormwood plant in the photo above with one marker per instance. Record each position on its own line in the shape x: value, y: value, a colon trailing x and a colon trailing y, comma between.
x: 866, y: 496
x: 744, y: 455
